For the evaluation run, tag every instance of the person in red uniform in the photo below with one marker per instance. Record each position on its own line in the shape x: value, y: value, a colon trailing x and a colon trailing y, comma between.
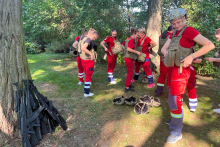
x: 163, y: 69
x: 79, y: 64
x: 145, y: 65
x: 180, y: 79
x: 210, y: 59
x: 129, y: 61
x: 88, y: 62
x: 111, y: 57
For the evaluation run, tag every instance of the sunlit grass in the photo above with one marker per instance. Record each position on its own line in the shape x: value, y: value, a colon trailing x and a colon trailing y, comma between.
x: 96, y: 121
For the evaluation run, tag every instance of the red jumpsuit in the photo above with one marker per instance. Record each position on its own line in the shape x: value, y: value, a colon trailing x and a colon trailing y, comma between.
x: 162, y: 76
x: 111, y: 58
x: 129, y: 63
x: 191, y: 90
x: 79, y: 65
x: 178, y: 84
x: 88, y: 66
x: 145, y: 65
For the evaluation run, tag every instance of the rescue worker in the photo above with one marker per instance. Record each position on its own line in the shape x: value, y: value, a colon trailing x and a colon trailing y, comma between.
x: 79, y: 63
x: 216, y: 59
x: 178, y: 54
x: 87, y: 58
x: 144, y: 43
x: 130, y: 54
x: 110, y: 41
x: 193, y: 101
x: 163, y: 69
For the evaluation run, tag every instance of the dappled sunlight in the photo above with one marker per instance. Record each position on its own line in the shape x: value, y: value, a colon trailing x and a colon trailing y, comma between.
x: 31, y: 61
x: 214, y: 135
x: 61, y: 68
x: 48, y: 87
x: 38, y: 74
x: 129, y: 130
x: 107, y: 94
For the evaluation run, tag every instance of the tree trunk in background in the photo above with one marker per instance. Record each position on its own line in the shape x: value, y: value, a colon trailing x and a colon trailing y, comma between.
x: 154, y: 29
x: 13, y: 62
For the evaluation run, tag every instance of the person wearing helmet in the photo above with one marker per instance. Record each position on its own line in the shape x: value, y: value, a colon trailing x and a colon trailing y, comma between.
x: 178, y: 55
x: 79, y: 63
x: 130, y: 55
x: 163, y: 69
x: 145, y: 44
x: 110, y: 41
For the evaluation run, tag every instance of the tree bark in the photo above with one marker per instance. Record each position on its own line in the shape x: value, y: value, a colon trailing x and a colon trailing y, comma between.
x: 154, y: 29
x: 13, y: 62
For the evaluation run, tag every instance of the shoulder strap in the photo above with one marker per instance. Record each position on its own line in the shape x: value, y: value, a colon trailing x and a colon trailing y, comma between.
x: 143, y: 40
x: 114, y: 38
x: 181, y: 32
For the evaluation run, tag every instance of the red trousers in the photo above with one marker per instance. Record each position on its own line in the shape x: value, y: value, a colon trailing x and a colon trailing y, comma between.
x: 192, y: 83
x: 88, y: 66
x: 111, y: 62
x: 130, y: 68
x: 178, y: 85
x: 163, y: 73
x: 80, y: 68
x: 145, y: 66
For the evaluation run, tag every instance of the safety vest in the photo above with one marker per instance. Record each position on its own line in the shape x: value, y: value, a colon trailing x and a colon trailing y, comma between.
x: 176, y: 53
x: 117, y: 47
x: 161, y: 44
x: 82, y: 54
x: 128, y: 54
x: 142, y: 57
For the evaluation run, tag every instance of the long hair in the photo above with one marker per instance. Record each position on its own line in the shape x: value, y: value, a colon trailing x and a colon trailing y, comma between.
x: 164, y: 34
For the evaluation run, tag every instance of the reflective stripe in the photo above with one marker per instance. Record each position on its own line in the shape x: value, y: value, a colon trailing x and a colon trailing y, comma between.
x: 150, y: 76
x: 193, y: 100
x: 88, y: 83
x: 110, y: 76
x: 190, y: 104
x: 87, y: 87
x: 192, y: 109
x: 136, y: 73
x: 177, y: 115
x: 80, y: 73
x: 191, y: 67
x: 158, y: 84
x: 110, y: 73
x: 80, y: 76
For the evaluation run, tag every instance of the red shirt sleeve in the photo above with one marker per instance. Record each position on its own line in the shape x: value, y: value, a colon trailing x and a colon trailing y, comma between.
x: 77, y: 38
x: 107, y: 39
x: 131, y: 44
x: 148, y: 40
x: 190, y: 33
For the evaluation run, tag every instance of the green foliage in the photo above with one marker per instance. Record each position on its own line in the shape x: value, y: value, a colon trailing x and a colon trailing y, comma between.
x: 32, y: 48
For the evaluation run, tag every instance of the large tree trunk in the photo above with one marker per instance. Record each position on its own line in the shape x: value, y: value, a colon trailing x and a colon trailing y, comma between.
x: 154, y: 29
x: 13, y: 62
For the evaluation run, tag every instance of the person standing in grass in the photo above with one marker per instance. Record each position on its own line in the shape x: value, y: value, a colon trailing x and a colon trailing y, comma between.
x: 130, y: 55
x: 216, y: 59
x: 87, y: 56
x: 111, y: 57
x: 144, y: 42
x: 181, y: 44
x: 78, y: 59
x: 163, y: 69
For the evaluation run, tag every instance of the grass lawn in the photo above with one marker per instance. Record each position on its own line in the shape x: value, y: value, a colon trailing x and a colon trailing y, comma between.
x: 96, y: 121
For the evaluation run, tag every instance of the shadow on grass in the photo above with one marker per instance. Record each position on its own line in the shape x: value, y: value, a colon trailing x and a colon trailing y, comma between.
x: 96, y: 121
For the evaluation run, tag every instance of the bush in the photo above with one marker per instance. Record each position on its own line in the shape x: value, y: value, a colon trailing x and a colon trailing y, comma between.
x: 32, y: 48
x: 60, y: 47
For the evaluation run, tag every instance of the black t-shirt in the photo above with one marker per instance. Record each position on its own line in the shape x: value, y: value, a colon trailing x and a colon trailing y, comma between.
x: 88, y: 40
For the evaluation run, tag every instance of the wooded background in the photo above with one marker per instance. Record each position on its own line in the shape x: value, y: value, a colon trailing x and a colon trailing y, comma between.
x: 52, y: 25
